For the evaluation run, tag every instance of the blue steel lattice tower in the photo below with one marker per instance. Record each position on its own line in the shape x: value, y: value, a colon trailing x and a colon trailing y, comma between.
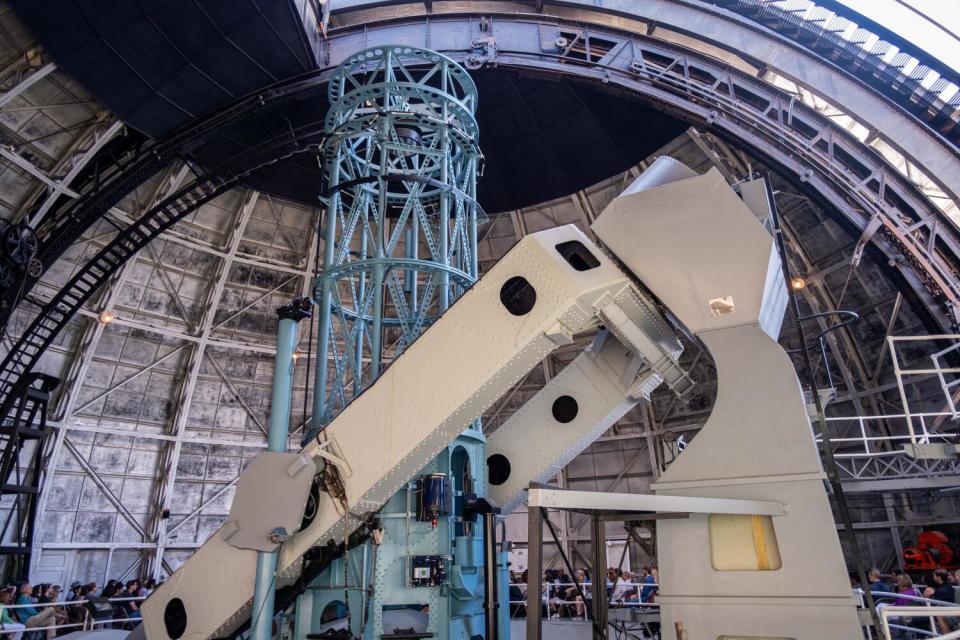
x: 400, y: 231
x: 400, y: 237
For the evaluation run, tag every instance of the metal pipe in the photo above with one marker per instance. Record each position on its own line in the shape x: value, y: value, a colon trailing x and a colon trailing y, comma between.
x: 567, y: 563
x: 265, y: 587
x: 359, y: 323
x: 474, y: 259
x: 535, y: 573
x: 413, y: 252
x: 444, y: 229
x: 503, y: 581
x: 490, y: 602
x: 376, y: 327
x: 323, y: 287
x: 599, y: 578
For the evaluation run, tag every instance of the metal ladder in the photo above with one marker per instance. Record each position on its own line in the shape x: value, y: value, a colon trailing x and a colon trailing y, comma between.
x: 21, y: 466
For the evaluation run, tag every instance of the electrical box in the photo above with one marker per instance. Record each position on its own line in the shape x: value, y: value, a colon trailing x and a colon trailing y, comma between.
x: 428, y: 571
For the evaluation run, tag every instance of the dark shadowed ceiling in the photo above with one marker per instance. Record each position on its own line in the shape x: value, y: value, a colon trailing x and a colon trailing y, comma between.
x: 161, y: 64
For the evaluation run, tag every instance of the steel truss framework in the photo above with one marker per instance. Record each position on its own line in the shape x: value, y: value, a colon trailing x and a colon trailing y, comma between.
x: 672, y: 81
x: 901, y: 70
x: 870, y: 195
x: 402, y: 161
x: 865, y: 454
x: 159, y: 534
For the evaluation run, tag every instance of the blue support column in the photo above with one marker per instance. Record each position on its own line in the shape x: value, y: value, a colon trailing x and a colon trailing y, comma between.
x: 265, y: 587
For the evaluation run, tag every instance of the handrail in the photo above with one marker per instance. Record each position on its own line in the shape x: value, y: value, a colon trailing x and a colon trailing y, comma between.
x: 65, y: 603
x: 908, y: 597
x: 863, y: 456
x: 87, y: 623
x: 910, y: 613
x: 930, y: 610
x: 924, y: 436
x: 587, y: 588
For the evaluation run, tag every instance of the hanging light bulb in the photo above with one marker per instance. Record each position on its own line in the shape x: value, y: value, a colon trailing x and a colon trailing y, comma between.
x: 797, y: 283
x: 106, y: 317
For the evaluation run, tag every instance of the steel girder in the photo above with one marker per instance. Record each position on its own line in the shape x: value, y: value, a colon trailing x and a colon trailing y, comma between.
x: 901, y: 70
x: 402, y: 162
x: 806, y: 145
x: 748, y: 33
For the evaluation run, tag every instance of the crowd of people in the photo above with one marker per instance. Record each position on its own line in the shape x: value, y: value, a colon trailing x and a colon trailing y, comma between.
x: 22, y: 606
x: 900, y: 590
x: 563, y: 597
x: 571, y: 598
x: 939, y: 585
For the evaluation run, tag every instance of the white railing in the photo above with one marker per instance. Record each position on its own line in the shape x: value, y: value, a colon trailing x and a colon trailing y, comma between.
x: 559, y: 594
x: 87, y: 623
x: 869, y: 443
x: 863, y: 456
x: 904, y: 374
x: 906, y: 616
x: 903, y: 618
x: 926, y: 608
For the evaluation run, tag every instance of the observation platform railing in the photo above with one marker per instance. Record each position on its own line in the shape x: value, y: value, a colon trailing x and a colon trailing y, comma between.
x: 902, y: 620
x: 862, y: 454
x: 88, y: 622
x: 894, y: 617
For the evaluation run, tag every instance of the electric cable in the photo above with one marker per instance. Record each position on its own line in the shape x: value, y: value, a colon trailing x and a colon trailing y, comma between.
x: 832, y: 476
x: 316, y: 270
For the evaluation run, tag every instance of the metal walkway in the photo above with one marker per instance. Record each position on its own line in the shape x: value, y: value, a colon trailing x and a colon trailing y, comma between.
x: 861, y: 456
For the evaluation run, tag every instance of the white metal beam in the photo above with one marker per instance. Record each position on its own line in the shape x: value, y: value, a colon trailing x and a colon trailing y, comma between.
x: 26, y: 82
x: 630, y: 502
x: 79, y: 161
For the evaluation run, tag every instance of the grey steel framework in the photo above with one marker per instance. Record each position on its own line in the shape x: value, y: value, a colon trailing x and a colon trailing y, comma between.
x: 889, y: 202
x: 905, y: 73
x: 401, y: 224
x: 883, y: 170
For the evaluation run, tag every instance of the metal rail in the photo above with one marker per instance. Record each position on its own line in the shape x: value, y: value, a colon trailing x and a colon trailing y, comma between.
x: 70, y: 298
x: 87, y: 623
x: 907, y: 616
x: 861, y: 456
x: 903, y: 72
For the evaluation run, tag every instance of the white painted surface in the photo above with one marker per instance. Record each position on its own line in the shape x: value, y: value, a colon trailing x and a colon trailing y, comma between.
x: 692, y: 241
x: 442, y: 382
x: 625, y: 502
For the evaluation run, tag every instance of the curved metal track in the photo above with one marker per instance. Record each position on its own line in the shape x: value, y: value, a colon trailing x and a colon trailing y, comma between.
x: 54, y: 316
x: 138, y: 163
x: 900, y: 70
x: 806, y: 145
